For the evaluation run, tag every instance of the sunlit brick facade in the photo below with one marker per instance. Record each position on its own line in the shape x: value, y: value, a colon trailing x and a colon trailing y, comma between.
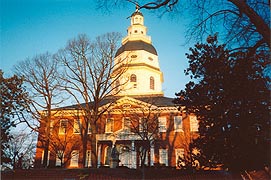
x: 140, y: 114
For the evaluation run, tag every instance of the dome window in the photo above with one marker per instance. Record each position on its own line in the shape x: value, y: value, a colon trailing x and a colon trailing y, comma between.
x: 150, y: 58
x: 117, y: 87
x: 151, y: 83
x: 134, y: 56
x: 133, y: 78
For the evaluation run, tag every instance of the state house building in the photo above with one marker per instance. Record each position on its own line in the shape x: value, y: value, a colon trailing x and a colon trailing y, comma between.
x: 166, y: 129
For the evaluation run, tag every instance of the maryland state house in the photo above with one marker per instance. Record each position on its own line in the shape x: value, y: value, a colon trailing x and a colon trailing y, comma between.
x: 139, y: 126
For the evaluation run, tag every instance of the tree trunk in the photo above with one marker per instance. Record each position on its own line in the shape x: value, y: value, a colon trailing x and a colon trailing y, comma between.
x: 85, y: 142
x: 47, y: 140
x: 45, y: 153
x: 94, y: 160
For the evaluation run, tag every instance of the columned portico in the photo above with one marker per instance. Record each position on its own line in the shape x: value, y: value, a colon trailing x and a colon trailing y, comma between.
x: 126, y: 146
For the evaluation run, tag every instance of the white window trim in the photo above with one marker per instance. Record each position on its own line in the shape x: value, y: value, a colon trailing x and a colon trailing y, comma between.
x: 58, y: 161
x: 48, y: 158
x: 194, y: 124
x: 179, y: 152
x: 176, y: 128
x: 162, y: 122
x: 88, y: 158
x: 60, y: 126
x: 161, y: 160
x: 74, y: 158
x: 107, y: 130
x: 76, y: 121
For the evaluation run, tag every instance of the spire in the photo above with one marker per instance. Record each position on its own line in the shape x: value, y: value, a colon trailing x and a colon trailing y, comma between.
x: 137, y: 7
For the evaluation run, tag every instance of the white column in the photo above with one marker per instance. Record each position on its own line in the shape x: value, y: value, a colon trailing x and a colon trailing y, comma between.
x: 133, y: 159
x: 152, y: 155
x: 99, y: 155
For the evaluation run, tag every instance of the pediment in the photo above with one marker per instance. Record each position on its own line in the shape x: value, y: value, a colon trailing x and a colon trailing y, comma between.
x: 128, y: 104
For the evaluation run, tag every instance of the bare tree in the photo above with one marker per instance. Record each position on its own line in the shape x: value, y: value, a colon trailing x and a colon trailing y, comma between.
x: 242, y: 24
x: 91, y: 77
x: 40, y: 75
x: 246, y: 23
x: 145, y: 124
x: 21, y: 150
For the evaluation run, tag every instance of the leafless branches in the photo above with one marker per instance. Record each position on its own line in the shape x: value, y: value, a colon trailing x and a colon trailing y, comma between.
x: 145, y: 124
x: 40, y: 75
x: 41, y: 78
x: 21, y: 150
x: 88, y: 75
x: 238, y: 23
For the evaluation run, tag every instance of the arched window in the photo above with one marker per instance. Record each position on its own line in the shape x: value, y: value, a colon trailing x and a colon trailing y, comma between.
x: 133, y: 78
x: 117, y: 88
x: 136, y: 20
x: 151, y: 83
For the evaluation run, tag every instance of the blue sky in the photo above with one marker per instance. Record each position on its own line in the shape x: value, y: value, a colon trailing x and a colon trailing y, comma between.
x: 31, y: 27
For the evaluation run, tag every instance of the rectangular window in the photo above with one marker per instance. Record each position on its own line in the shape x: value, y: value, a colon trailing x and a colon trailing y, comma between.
x: 194, y: 124
x: 126, y: 123
x: 48, y: 158
x: 63, y: 126
x: 163, y: 156
x: 74, y: 158
x: 89, y: 128
x: 51, y: 126
x: 162, y: 124
x: 88, y: 159
x: 59, y: 158
x: 76, y: 126
x: 179, y: 154
x: 109, y: 125
x: 140, y: 124
x: 178, y: 124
